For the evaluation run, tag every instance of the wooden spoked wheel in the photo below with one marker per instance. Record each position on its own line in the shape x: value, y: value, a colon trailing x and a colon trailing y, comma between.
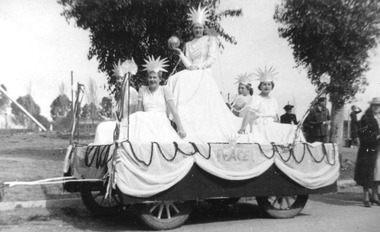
x: 282, y: 206
x: 94, y: 198
x: 164, y: 215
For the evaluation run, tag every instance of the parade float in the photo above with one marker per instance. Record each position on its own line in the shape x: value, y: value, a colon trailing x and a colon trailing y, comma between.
x: 164, y: 181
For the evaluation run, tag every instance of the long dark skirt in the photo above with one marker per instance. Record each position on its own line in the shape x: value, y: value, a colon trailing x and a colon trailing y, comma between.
x: 365, y: 167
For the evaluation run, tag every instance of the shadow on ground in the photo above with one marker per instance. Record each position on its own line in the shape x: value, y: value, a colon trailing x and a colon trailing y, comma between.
x: 81, y: 219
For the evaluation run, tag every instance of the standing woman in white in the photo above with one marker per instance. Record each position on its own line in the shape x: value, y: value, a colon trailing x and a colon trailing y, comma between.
x: 203, y: 112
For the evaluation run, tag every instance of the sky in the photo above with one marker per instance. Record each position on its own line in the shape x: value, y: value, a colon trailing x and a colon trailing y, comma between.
x: 39, y: 49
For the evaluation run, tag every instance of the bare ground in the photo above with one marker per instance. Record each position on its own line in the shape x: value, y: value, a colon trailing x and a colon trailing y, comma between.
x: 30, y: 157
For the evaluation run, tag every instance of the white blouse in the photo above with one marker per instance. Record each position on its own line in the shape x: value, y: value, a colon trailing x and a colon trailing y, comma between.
x: 154, y: 101
x: 200, y: 52
x: 264, y: 107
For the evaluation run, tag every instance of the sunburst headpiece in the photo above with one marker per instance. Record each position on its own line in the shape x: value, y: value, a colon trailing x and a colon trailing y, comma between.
x: 245, y: 78
x: 128, y: 66
x: 155, y: 65
x: 198, y: 15
x: 266, y: 75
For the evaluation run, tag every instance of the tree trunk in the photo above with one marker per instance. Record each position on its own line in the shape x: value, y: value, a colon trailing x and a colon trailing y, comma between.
x: 337, y: 122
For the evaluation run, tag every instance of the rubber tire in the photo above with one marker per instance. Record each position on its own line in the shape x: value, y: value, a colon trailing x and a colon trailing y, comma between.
x: 88, y: 192
x: 143, y: 211
x: 295, y: 208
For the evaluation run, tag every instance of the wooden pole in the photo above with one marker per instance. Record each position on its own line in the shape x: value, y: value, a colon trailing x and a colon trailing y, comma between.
x: 23, y: 109
x: 72, y: 91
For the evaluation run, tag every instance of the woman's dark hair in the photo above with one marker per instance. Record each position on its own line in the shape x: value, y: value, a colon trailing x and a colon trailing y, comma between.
x: 259, y: 87
x: 249, y: 87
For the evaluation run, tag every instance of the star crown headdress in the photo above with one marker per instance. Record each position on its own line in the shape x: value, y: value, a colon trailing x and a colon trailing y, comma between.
x: 245, y: 78
x: 198, y: 15
x: 266, y: 75
x: 155, y: 65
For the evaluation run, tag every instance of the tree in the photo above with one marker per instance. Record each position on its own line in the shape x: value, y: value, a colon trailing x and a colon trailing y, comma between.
x: 92, y: 98
x: 106, y: 107
x: 93, y: 110
x: 333, y: 37
x: 60, y: 107
x: 30, y: 105
x: 43, y: 120
x: 85, y: 111
x: 121, y: 29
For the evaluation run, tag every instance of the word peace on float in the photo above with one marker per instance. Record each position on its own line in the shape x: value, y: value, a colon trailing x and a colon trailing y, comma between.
x: 232, y: 155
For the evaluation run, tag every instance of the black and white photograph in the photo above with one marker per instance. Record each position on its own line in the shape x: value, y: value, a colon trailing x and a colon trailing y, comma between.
x: 190, y: 115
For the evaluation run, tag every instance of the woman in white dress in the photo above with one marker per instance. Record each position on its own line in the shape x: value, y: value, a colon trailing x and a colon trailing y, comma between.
x: 238, y: 106
x: 203, y: 112
x: 263, y: 116
x: 150, y: 123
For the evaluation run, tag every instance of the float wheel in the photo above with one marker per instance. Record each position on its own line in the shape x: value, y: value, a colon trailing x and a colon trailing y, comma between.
x: 282, y: 206
x: 93, y: 197
x: 164, y: 215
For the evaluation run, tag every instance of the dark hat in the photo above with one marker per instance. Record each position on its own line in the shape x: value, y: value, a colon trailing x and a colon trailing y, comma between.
x: 288, y: 107
x: 355, y: 109
x: 375, y: 101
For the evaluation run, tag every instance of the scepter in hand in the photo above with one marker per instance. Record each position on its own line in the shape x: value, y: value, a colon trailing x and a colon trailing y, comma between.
x: 125, y: 71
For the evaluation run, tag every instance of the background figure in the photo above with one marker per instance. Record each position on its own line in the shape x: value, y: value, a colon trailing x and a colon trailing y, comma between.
x: 367, y: 167
x: 306, y: 129
x: 354, y: 126
x: 319, y: 119
x: 288, y: 117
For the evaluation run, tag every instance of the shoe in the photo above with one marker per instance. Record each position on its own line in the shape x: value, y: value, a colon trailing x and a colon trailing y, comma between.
x: 375, y: 202
x: 367, y: 204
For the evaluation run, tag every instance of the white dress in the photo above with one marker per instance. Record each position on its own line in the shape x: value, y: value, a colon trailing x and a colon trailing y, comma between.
x: 264, y: 129
x: 150, y: 125
x: 202, y: 110
x: 241, y: 102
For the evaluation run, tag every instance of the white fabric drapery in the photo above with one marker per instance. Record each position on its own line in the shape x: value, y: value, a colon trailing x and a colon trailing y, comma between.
x: 146, y: 169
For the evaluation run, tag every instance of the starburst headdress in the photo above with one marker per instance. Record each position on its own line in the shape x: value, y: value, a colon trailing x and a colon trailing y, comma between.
x: 128, y: 66
x: 198, y: 15
x: 266, y: 75
x: 155, y: 65
x: 245, y: 78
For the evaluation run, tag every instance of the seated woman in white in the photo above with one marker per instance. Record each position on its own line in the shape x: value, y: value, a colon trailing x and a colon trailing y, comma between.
x: 263, y: 115
x: 245, y: 92
x: 150, y: 123
x: 203, y: 112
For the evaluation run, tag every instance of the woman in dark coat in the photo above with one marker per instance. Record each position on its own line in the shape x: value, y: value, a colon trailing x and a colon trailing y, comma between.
x: 369, y: 135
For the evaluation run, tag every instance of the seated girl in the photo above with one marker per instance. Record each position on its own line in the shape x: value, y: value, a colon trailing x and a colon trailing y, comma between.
x: 150, y: 123
x: 263, y: 116
x: 238, y: 106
